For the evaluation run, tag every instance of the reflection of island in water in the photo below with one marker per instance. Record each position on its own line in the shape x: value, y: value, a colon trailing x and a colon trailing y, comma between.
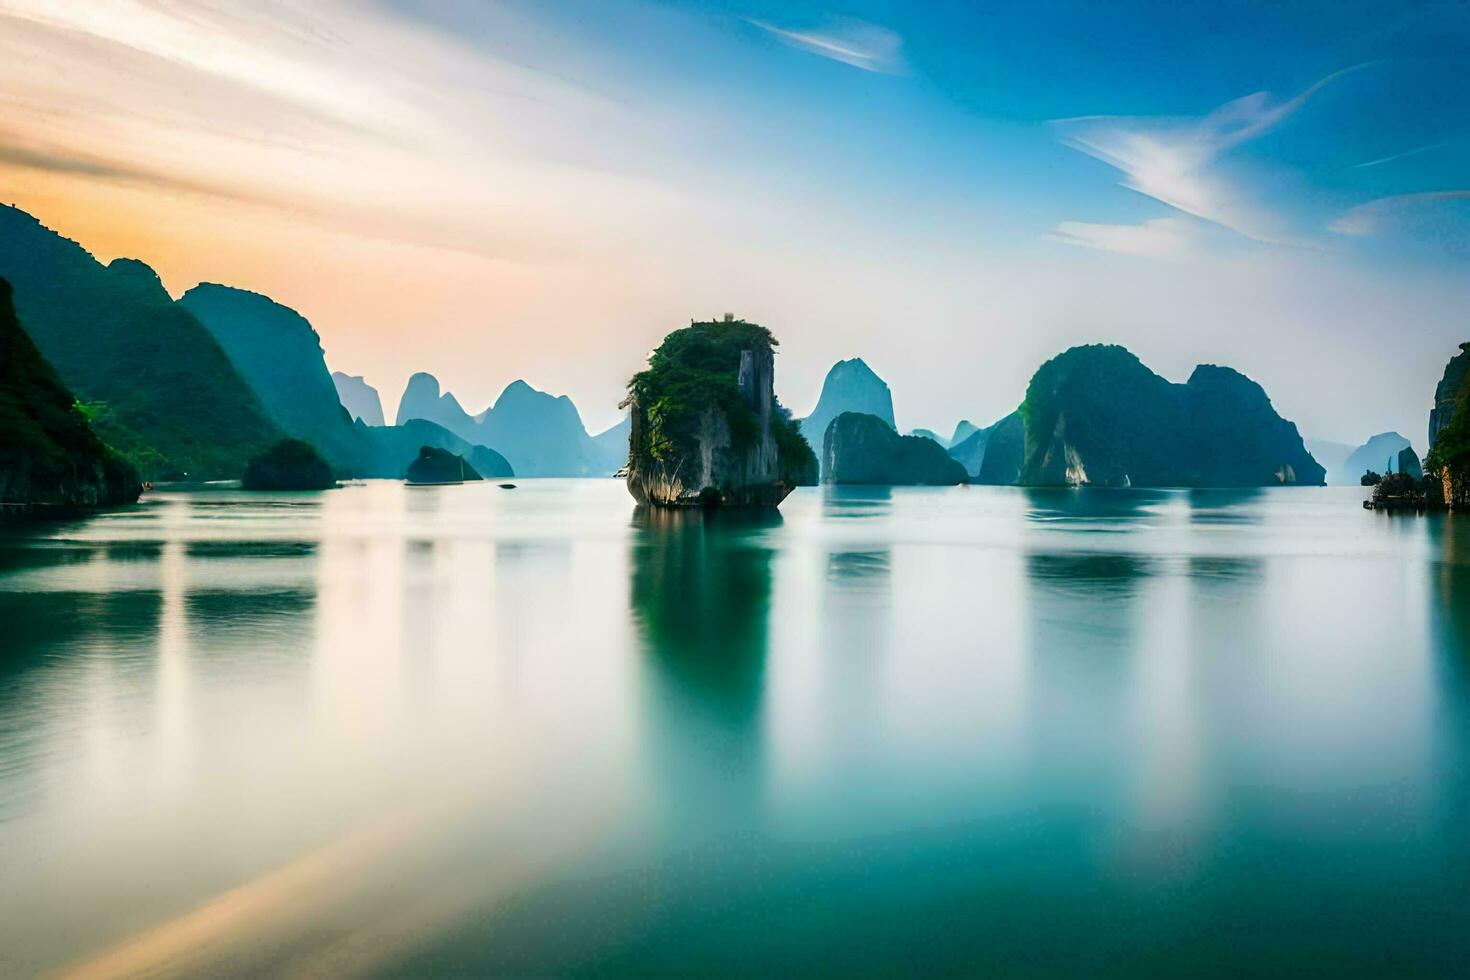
x: 1449, y: 543
x: 701, y: 597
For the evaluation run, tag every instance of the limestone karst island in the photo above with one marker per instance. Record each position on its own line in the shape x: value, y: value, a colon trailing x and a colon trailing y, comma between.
x: 734, y: 488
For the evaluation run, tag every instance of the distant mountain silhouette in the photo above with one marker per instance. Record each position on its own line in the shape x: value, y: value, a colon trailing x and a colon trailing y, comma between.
x: 992, y: 455
x: 963, y: 431
x: 612, y: 445
x: 422, y: 399
x: 281, y: 358
x: 1379, y: 454
x: 159, y: 388
x: 540, y: 434
x: 1097, y: 416
x: 48, y: 452
x: 359, y: 398
x: 850, y: 386
x: 931, y: 435
x: 396, y: 446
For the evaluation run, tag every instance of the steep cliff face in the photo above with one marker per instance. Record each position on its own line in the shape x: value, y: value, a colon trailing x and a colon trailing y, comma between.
x: 49, y: 455
x: 864, y: 449
x: 359, y: 398
x: 706, y: 425
x: 1449, y: 392
x: 1097, y: 416
x: 280, y: 356
x: 850, y: 386
x: 1449, y: 432
x: 158, y: 387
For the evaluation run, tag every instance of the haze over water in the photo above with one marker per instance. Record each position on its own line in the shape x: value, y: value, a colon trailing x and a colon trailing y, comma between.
x: 394, y: 730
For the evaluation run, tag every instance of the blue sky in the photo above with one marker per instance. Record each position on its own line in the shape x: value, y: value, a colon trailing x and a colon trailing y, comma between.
x: 954, y: 192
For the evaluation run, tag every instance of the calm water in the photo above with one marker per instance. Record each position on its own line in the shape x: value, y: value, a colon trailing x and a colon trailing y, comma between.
x: 465, y: 730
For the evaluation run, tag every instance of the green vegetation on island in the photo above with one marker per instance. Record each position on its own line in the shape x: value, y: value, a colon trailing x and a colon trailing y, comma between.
x: 49, y: 454
x: 706, y: 425
x: 157, y: 387
x: 289, y: 465
x: 1095, y: 415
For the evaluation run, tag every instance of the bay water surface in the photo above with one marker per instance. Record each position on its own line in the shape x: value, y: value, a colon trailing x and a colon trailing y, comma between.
x: 463, y: 731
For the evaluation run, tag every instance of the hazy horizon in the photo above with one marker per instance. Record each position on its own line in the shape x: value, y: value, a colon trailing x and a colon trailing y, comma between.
x: 523, y: 191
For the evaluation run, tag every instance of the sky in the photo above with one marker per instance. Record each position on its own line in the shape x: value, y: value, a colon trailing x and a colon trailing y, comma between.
x: 953, y: 192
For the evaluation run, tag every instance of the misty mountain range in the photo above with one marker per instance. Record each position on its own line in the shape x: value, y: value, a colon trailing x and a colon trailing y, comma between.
x: 197, y: 386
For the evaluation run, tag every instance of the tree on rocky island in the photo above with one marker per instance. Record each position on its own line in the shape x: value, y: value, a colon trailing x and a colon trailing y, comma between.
x: 707, y: 428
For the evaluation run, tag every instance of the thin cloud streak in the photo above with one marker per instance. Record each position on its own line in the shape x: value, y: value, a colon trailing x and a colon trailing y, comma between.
x: 1401, y: 156
x: 1368, y: 219
x: 1173, y: 160
x: 1161, y: 238
x: 851, y: 42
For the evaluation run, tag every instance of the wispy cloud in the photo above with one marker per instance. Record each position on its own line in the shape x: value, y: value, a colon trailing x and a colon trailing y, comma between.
x: 1401, y: 156
x: 1161, y: 238
x: 852, y: 42
x: 1369, y: 219
x: 1174, y: 160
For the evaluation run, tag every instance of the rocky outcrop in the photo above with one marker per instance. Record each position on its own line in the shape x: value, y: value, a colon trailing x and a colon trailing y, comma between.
x: 1097, y: 416
x: 706, y: 426
x: 49, y: 457
x: 288, y: 465
x: 1449, y: 393
x: 440, y: 466
x: 862, y: 448
x: 359, y: 398
x: 850, y: 386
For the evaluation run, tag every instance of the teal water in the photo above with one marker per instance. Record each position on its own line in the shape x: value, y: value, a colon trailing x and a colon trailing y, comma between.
x: 468, y: 731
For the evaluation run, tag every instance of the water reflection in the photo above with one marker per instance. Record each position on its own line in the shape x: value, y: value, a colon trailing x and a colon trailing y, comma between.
x: 1092, y: 508
x: 1225, y: 506
x: 701, y: 595
x: 854, y: 502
